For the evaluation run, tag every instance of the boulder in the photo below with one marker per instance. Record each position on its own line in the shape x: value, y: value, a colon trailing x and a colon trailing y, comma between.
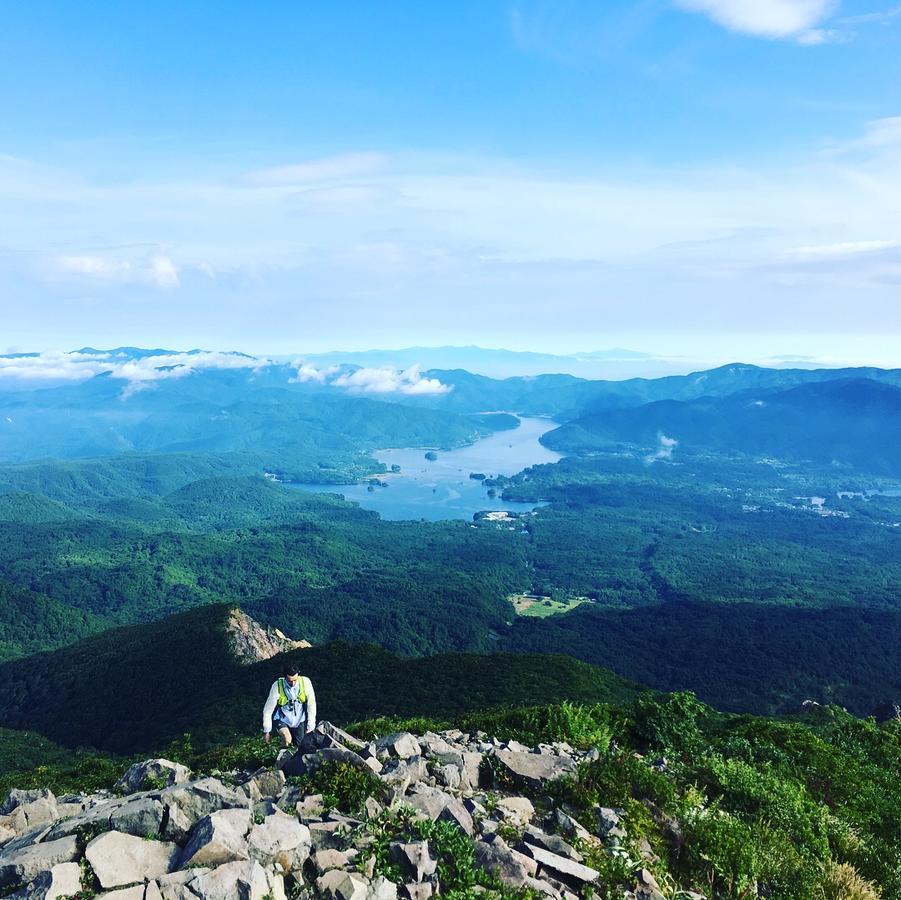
x: 323, y: 860
x: 440, y: 806
x: 279, y: 840
x: 142, y: 817
x: 220, y: 837
x: 401, y: 744
x: 18, y: 866
x: 310, y: 807
x: 646, y: 887
x: 609, y: 823
x: 27, y: 809
x: 121, y: 859
x: 151, y: 773
x: 240, y: 880
x: 567, y: 870
x: 382, y: 889
x: 470, y: 776
x: 341, y: 885
x: 7, y: 833
x: 188, y: 802
x: 175, y: 885
x: 414, y: 859
x: 552, y: 843
x: 340, y: 736
x: 324, y: 835
x: 497, y: 858
x: 517, y: 811
x: 17, y: 798
x: 532, y: 769
x: 414, y: 891
x: 61, y: 880
x: 268, y: 782
x: 136, y: 892
x: 304, y: 764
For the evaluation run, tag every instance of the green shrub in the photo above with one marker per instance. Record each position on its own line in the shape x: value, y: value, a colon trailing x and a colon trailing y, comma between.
x: 343, y: 787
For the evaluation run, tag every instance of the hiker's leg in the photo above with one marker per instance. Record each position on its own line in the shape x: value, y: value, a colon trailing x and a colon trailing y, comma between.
x: 285, y: 732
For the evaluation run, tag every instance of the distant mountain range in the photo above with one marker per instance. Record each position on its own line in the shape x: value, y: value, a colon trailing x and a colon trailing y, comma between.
x: 849, y: 421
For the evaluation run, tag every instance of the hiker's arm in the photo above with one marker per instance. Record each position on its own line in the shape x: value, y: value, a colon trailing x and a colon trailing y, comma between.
x: 311, y: 706
x: 269, y: 708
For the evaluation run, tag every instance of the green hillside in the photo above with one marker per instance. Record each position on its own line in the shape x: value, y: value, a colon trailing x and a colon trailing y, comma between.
x: 138, y: 688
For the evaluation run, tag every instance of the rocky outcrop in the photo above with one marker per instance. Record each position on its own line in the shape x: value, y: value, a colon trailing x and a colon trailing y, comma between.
x: 256, y: 834
x: 252, y: 642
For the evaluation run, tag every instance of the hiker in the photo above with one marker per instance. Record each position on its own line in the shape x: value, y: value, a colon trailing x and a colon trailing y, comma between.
x: 290, y: 708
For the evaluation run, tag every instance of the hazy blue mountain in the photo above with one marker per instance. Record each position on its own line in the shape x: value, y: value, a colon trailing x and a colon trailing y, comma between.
x: 855, y: 422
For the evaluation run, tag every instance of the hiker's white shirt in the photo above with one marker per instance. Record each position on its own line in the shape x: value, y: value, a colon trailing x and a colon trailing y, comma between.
x: 294, y: 715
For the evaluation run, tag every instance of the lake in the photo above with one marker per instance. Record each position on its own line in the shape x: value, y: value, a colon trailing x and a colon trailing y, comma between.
x: 442, y: 488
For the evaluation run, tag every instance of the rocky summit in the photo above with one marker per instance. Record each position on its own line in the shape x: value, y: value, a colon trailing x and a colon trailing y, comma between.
x: 431, y: 801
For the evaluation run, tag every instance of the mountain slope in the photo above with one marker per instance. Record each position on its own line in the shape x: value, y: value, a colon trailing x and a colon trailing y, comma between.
x: 138, y: 688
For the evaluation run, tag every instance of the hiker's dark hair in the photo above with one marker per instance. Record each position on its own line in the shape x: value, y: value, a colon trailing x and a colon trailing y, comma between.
x: 290, y: 669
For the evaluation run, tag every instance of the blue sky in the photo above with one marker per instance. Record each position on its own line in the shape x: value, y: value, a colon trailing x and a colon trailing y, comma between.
x: 680, y: 176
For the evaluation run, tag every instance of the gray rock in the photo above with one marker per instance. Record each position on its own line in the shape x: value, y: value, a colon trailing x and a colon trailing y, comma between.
x: 187, y: 803
x: 324, y: 835
x: 28, y: 809
x: 438, y: 805
x: 220, y: 837
x: 432, y: 744
x: 372, y: 807
x: 268, y: 782
x: 7, y: 833
x: 552, y: 843
x: 470, y: 777
x: 323, y: 860
x: 18, y: 866
x: 121, y: 859
x: 175, y: 885
x: 310, y: 807
x: 152, y: 770
x: 401, y: 744
x: 62, y: 880
x: 646, y: 887
x: 304, y: 764
x: 27, y: 838
x: 567, y: 870
x: 341, y: 885
x: 450, y: 776
x: 496, y: 857
x: 340, y: 736
x: 517, y: 811
x: 414, y: 859
x: 382, y: 889
x: 280, y: 840
x: 129, y: 893
x: 239, y: 880
x: 572, y: 827
x: 533, y: 769
x: 542, y: 887
x: 17, y: 798
x: 142, y: 817
x: 609, y: 823
x: 415, y: 891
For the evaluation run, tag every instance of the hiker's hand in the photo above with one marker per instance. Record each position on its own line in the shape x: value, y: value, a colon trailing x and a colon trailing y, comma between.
x: 266, y: 737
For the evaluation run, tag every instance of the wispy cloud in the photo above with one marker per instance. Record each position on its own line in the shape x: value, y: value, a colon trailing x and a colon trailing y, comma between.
x: 775, y: 19
x: 330, y: 168
x: 841, y: 250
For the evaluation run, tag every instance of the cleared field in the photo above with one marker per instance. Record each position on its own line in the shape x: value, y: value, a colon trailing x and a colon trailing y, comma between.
x: 541, y: 607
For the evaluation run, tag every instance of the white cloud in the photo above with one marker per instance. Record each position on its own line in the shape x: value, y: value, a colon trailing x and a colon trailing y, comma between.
x: 385, y: 380
x: 372, y: 380
x: 330, y: 168
x: 307, y: 373
x: 840, y: 250
x: 665, y: 447
x: 53, y: 366
x: 797, y: 19
x: 159, y: 270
